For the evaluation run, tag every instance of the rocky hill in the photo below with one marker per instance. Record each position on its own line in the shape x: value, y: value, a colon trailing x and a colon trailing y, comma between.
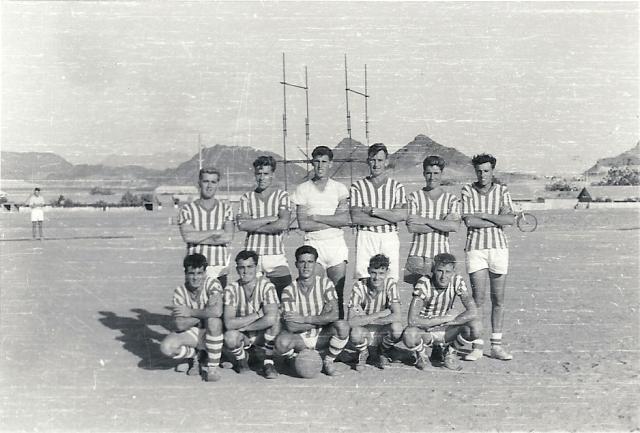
x: 630, y: 158
x: 156, y: 161
x: 31, y: 165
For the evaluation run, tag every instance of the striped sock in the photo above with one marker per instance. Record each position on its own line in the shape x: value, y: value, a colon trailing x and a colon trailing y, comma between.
x: 336, y: 345
x: 496, y: 339
x: 478, y: 344
x: 289, y: 354
x: 269, y: 344
x: 420, y: 350
x: 362, y: 347
x: 213, y: 344
x: 185, y: 352
x: 459, y: 343
x: 387, y: 343
x: 239, y: 353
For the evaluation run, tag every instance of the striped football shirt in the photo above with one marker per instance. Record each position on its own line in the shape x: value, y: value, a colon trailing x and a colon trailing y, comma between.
x: 252, y: 204
x: 310, y: 303
x: 198, y: 299
x: 371, y: 301
x: 437, y: 302
x: 195, y: 215
x: 389, y: 195
x: 491, y: 202
x: 263, y: 294
x: 436, y: 242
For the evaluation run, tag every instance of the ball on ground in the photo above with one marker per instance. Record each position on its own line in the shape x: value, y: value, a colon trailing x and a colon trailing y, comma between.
x: 308, y: 364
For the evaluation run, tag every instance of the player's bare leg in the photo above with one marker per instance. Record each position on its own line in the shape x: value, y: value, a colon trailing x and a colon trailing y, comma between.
x: 359, y: 338
x: 40, y: 229
x: 337, y: 275
x: 182, y: 346
x: 213, y: 343
x: 281, y: 278
x: 270, y: 335
x: 392, y: 335
x: 498, y: 283
x: 417, y: 341
x: 479, y: 288
x: 34, y: 225
x: 288, y: 345
x: 339, y: 338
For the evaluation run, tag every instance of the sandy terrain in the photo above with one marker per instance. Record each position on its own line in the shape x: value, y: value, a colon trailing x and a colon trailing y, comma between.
x: 80, y: 320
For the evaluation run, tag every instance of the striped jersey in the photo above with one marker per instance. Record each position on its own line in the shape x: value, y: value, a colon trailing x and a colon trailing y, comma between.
x: 198, y: 299
x: 263, y: 294
x: 437, y: 302
x: 252, y: 204
x: 200, y: 218
x: 436, y: 242
x: 389, y: 195
x: 492, y: 202
x: 371, y: 301
x: 311, y: 303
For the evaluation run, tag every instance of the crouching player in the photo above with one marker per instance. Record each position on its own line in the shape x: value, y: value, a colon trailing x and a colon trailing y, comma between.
x: 374, y: 313
x: 310, y: 315
x: 197, y: 308
x: 432, y: 316
x: 251, y: 314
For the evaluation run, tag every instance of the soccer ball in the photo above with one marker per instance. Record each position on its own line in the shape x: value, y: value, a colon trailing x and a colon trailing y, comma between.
x: 308, y: 364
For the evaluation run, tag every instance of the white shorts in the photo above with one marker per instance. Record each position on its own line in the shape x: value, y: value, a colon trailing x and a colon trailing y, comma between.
x: 267, y: 264
x: 37, y: 215
x: 216, y: 271
x: 368, y: 244
x: 494, y: 259
x: 331, y: 252
x: 310, y: 338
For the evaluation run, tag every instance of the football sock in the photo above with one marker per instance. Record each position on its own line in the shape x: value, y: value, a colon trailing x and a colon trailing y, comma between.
x: 239, y: 353
x: 269, y: 343
x: 335, y: 346
x: 289, y: 354
x: 387, y: 343
x: 420, y: 349
x: 478, y: 344
x: 213, y: 344
x: 496, y: 339
x: 361, y: 347
x: 459, y: 342
x: 185, y: 352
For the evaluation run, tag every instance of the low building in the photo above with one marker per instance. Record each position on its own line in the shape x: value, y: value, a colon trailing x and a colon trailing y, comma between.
x: 609, y: 194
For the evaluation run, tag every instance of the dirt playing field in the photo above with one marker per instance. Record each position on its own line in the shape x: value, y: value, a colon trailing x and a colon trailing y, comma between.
x: 81, y: 317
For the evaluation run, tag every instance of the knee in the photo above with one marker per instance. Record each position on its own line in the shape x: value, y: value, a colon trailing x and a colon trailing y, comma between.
x: 283, y: 341
x: 214, y: 325
x: 342, y: 329
x: 357, y: 335
x: 411, y: 336
x: 231, y: 339
x: 475, y: 328
x: 169, y: 346
x: 395, y: 330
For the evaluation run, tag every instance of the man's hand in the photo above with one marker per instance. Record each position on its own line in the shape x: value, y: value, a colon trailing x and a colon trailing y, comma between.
x: 290, y: 316
x: 182, y: 311
x: 242, y: 217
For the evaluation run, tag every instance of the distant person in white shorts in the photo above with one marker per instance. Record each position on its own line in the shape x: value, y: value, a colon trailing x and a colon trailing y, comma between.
x: 206, y: 225
x: 378, y: 204
x: 486, y: 208
x: 322, y: 207
x: 36, y: 204
x: 264, y: 215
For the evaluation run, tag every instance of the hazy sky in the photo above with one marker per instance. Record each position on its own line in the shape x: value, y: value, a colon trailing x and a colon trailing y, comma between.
x: 547, y: 87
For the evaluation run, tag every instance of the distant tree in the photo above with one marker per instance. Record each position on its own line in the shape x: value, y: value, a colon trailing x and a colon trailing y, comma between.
x: 560, y: 185
x: 130, y: 199
x: 621, y: 176
x: 96, y: 190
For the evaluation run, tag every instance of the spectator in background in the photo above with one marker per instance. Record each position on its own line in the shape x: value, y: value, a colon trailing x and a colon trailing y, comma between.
x: 36, y: 204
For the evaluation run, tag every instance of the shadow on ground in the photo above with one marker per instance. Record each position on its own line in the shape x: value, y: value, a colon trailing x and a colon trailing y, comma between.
x: 139, y: 338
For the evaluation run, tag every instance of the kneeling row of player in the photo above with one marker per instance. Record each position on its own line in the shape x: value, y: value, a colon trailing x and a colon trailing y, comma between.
x: 248, y: 313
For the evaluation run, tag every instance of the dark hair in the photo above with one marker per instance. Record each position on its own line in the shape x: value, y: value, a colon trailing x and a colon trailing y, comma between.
x: 265, y: 161
x: 433, y: 160
x: 195, y: 261
x: 444, y: 259
x: 36, y: 189
x: 379, y: 261
x: 322, y: 151
x: 484, y: 158
x: 247, y: 254
x: 375, y: 148
x: 306, y: 249
x: 208, y: 170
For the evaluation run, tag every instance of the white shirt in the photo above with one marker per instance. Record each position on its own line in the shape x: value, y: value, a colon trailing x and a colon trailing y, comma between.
x: 321, y: 202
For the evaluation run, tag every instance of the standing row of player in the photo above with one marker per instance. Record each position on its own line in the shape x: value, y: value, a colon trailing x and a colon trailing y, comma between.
x: 375, y: 205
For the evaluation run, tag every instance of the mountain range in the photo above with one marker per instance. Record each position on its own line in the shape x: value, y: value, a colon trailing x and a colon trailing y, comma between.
x: 626, y: 159
x: 235, y: 164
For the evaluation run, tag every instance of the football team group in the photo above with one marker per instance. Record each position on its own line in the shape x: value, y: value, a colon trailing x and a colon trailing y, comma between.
x: 265, y: 312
